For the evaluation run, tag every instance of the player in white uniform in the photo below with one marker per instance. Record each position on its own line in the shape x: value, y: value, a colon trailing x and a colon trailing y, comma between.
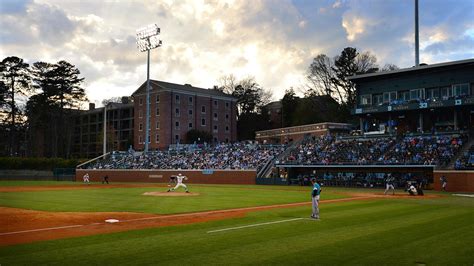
x: 179, y: 179
x: 389, y: 184
x: 86, y: 178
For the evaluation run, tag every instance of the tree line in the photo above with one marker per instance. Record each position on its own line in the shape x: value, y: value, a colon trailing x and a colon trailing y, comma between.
x: 35, y: 102
x: 328, y: 95
x: 36, y: 99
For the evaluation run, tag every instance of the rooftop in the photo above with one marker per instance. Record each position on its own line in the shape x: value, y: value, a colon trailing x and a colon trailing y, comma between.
x: 414, y: 69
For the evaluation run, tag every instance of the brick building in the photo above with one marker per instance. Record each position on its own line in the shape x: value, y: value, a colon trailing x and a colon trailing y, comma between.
x: 88, y: 137
x: 175, y: 109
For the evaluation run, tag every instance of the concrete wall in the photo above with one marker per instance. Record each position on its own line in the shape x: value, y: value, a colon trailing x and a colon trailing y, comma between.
x: 162, y: 176
x: 460, y: 181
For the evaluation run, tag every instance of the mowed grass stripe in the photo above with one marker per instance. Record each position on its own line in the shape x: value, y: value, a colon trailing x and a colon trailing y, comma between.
x: 331, y: 240
x: 295, y: 242
x: 132, y: 200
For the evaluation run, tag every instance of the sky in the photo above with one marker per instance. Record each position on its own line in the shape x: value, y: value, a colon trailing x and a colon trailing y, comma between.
x: 203, y: 40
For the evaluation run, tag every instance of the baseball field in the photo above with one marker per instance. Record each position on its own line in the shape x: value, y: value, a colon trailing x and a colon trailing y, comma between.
x: 65, y: 223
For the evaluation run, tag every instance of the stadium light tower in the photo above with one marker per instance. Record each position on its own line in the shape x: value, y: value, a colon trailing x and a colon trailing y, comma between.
x: 147, y: 39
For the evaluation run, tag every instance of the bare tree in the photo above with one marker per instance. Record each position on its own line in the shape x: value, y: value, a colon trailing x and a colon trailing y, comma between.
x: 389, y: 67
x: 319, y: 75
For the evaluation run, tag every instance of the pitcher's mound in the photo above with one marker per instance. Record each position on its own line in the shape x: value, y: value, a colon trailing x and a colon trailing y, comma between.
x: 170, y: 194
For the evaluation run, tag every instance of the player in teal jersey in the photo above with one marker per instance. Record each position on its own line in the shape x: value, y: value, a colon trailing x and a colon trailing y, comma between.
x: 315, y: 198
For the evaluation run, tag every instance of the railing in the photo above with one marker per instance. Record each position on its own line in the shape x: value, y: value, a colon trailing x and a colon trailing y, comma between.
x: 91, y: 160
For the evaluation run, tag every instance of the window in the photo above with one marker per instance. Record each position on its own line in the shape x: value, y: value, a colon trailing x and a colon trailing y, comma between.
x: 157, y: 98
x: 388, y: 97
x: 140, y: 127
x: 404, y: 95
x: 140, y: 113
x: 446, y: 92
x: 215, y: 128
x: 190, y: 112
x: 226, y: 128
x: 203, y: 122
x: 215, y: 103
x: 157, y: 138
x: 176, y: 137
x: 364, y: 100
x: 226, y: 117
x: 215, y: 116
x: 377, y: 99
x: 177, y: 98
x: 140, y: 101
x: 393, y: 96
x: 157, y: 111
x: 417, y: 94
x: 190, y: 125
x: 203, y: 109
x: 227, y: 104
x: 461, y: 89
x: 149, y: 138
x: 157, y: 124
x: 177, y: 112
x: 432, y: 93
x: 140, y: 139
x: 190, y: 99
x: 177, y: 125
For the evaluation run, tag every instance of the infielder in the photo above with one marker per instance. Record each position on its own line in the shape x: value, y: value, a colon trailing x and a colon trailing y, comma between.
x: 179, y: 179
x: 86, y: 178
x: 315, y: 199
x: 389, y: 184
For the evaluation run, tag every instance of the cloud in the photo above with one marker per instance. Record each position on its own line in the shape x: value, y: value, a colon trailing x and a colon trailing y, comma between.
x: 273, y: 40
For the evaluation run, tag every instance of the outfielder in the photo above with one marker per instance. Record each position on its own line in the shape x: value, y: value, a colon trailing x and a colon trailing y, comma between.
x: 180, y: 183
x: 389, y: 184
x: 86, y: 178
x: 315, y: 199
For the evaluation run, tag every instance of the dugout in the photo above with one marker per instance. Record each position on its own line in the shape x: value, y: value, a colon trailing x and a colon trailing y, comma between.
x: 358, y: 175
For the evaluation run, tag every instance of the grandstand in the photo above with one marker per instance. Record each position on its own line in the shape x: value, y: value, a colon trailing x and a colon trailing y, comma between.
x: 415, y: 124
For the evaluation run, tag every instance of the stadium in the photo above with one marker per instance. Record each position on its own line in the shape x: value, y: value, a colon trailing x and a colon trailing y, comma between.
x: 168, y: 175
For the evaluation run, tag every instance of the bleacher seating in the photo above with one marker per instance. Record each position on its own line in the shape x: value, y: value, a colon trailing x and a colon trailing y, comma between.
x: 222, y: 156
x: 420, y: 150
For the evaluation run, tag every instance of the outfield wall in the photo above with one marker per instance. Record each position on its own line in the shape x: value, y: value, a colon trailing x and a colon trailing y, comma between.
x: 457, y: 180
x: 162, y: 176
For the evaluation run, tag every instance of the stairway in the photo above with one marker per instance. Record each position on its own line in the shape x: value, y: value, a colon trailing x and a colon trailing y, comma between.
x: 465, y: 148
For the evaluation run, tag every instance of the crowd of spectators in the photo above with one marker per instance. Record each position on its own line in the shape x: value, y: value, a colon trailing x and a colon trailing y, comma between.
x: 421, y: 150
x: 221, y: 156
x: 466, y: 162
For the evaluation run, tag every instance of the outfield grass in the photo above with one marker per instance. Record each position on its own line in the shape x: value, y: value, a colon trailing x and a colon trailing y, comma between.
x: 381, y: 232
x: 436, y: 231
x: 215, y: 197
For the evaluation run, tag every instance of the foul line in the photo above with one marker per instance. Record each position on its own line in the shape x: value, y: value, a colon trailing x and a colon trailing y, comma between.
x: 253, y: 225
x: 42, y: 229
x: 464, y: 195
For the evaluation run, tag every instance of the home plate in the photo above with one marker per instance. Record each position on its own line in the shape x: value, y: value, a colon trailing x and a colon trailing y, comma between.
x: 112, y: 221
